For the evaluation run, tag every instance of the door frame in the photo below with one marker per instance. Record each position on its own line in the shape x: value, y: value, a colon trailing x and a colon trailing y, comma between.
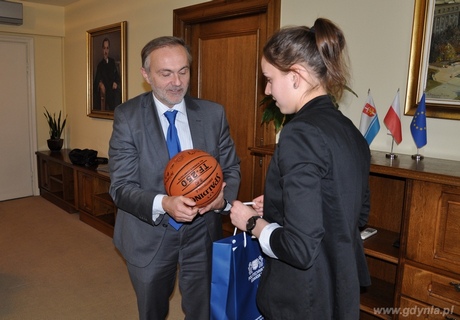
x: 185, y: 18
x: 221, y: 9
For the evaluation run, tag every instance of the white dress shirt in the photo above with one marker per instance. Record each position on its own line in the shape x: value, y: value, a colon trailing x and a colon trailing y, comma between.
x: 185, y: 139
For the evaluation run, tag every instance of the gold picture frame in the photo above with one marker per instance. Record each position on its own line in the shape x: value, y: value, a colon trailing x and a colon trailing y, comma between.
x: 106, y: 69
x: 437, y: 79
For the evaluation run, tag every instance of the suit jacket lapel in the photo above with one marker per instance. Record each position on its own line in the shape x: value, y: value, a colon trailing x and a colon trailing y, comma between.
x: 195, y: 122
x: 154, y: 131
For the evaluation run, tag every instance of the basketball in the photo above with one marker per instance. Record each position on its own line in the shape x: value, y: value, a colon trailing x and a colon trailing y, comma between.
x: 194, y: 174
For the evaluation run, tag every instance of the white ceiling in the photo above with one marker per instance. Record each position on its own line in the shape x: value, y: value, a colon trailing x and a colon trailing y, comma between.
x: 60, y: 3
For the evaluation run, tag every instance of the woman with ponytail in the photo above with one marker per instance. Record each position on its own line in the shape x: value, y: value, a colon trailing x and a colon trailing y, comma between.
x: 316, y: 192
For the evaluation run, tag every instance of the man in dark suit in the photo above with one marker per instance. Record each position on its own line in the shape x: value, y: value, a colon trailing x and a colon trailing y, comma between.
x: 138, y: 155
x: 106, y: 82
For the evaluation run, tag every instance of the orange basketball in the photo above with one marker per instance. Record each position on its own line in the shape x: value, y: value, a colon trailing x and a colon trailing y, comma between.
x: 194, y: 174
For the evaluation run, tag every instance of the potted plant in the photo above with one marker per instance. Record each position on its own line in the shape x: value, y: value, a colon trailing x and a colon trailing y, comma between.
x: 56, y: 127
x: 272, y: 113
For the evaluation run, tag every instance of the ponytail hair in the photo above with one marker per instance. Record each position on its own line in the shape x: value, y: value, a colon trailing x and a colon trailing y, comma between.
x: 331, y: 45
x: 321, y: 48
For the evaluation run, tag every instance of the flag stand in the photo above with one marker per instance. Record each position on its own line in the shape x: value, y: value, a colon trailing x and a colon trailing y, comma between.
x: 391, y: 155
x: 417, y: 156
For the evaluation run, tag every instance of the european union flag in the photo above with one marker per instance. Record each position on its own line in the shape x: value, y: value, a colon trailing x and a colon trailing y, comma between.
x: 418, y: 124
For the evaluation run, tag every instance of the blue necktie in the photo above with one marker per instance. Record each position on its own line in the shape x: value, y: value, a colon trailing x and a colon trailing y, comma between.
x: 172, y: 140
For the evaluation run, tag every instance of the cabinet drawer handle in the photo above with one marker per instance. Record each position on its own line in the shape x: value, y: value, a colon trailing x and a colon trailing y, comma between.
x: 456, y: 285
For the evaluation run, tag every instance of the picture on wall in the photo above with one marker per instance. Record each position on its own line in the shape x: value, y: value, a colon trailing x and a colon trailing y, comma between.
x: 106, y: 74
x: 434, y: 66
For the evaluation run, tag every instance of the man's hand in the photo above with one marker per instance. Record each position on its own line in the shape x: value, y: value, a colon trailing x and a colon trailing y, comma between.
x: 217, y: 204
x: 181, y: 208
x: 101, y: 88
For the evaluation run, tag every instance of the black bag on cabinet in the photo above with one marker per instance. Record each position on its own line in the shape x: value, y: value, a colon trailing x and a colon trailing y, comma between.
x: 83, y: 157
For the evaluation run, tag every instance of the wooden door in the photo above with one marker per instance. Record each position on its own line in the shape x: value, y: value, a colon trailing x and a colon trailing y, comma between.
x: 226, y: 39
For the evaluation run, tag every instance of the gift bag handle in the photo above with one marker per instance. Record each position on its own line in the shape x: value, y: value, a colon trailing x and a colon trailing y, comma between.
x: 244, y: 237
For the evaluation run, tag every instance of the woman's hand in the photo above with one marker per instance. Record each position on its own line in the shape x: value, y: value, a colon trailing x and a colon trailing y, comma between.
x: 259, y: 205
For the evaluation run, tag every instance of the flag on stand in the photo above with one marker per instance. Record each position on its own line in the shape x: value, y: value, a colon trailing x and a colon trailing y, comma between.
x: 392, y: 120
x: 418, y: 124
x: 369, y: 124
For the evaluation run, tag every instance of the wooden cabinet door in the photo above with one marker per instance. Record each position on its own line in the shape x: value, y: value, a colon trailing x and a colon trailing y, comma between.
x: 85, y: 191
x: 431, y: 288
x: 434, y: 226
x: 413, y: 310
x: 43, y: 173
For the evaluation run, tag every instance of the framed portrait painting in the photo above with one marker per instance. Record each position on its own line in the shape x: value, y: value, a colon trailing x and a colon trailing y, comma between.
x: 106, y: 69
x: 434, y: 66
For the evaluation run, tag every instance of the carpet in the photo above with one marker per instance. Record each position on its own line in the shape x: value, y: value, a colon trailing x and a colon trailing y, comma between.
x: 53, y: 266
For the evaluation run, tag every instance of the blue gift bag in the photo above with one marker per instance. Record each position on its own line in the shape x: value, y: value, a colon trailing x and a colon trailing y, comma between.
x: 237, y: 264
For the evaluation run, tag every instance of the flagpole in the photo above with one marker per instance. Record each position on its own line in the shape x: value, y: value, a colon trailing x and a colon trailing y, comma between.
x: 417, y: 156
x: 368, y: 93
x: 391, y: 155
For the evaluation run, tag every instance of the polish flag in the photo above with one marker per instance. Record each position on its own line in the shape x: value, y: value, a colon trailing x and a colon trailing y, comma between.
x: 392, y: 120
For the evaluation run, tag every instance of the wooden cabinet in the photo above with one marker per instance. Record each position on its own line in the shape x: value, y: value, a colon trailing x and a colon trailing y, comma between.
x: 94, y: 202
x: 431, y: 271
x: 77, y: 189
x: 56, y: 179
x: 415, y: 205
x: 414, y: 259
x: 382, y: 252
x: 262, y: 156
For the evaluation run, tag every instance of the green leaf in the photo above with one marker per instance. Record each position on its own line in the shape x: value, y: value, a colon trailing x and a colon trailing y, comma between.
x: 55, y: 126
x: 272, y: 112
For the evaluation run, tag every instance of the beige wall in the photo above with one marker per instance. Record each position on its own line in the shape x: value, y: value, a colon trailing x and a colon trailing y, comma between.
x: 45, y: 24
x: 378, y: 34
x: 146, y: 19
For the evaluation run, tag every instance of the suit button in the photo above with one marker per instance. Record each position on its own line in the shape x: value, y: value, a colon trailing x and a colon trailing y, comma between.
x: 165, y: 225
